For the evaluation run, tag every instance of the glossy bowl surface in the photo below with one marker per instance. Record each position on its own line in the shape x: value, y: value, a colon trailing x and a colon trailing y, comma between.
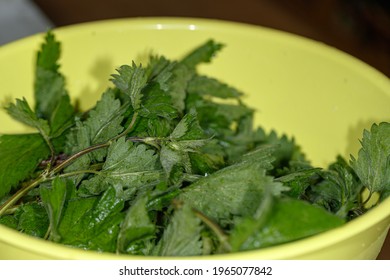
x: 324, y: 97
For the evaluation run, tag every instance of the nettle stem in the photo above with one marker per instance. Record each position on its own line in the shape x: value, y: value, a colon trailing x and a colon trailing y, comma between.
x: 49, y: 174
x: 367, y: 199
x: 52, y: 151
x: 222, y: 237
x: 75, y: 156
x: 129, y: 128
x: 20, y: 193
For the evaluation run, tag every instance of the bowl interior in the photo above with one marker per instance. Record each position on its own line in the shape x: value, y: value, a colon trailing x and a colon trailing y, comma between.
x: 321, y: 96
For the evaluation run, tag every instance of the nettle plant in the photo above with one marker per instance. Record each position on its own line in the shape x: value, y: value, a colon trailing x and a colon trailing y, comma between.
x: 163, y: 165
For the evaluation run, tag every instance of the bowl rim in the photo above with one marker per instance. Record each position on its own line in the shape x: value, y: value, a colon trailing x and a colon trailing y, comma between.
x: 284, y: 251
x: 293, y: 249
x: 196, y: 23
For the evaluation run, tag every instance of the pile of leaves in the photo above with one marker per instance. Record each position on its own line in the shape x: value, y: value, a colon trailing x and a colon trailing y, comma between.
x: 168, y: 163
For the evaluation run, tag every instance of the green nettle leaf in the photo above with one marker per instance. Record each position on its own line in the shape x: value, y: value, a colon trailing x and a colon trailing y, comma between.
x: 207, y: 86
x: 188, y: 128
x: 243, y: 140
x: 137, y: 230
x: 206, y: 162
x: 22, y: 112
x: 218, y: 119
x: 303, y: 220
x: 262, y: 156
x: 159, y: 69
x: 162, y: 197
x: 153, y: 127
x: 76, y: 211
x: 49, y: 54
x: 178, y: 83
x: 205, y: 109
x: 9, y: 221
x: 246, y: 226
x: 169, y: 157
x: 187, y: 137
x: 104, y: 121
x: 78, y: 140
x: 127, y: 165
x: 338, y: 191
x: 92, y: 223
x: 373, y: 162
x: 32, y: 219
x: 49, y: 89
x: 102, y: 124
x: 62, y: 117
x: 48, y: 81
x: 232, y: 112
x: 299, y: 181
x: 157, y: 103
x: 159, y: 127
x: 25, y: 151
x: 53, y: 111
x: 203, y: 53
x: 52, y: 100
x: 288, y: 155
x: 236, y: 190
x: 173, y: 78
x: 54, y: 200
x: 131, y: 80
x: 182, y: 236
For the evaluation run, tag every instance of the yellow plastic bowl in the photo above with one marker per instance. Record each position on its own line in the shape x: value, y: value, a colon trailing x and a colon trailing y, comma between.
x: 323, y: 97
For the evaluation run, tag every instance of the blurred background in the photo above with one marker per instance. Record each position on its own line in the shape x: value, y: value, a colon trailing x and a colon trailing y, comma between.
x: 358, y: 27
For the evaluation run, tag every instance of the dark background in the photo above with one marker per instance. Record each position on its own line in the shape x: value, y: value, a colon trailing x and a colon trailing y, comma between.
x: 358, y: 27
